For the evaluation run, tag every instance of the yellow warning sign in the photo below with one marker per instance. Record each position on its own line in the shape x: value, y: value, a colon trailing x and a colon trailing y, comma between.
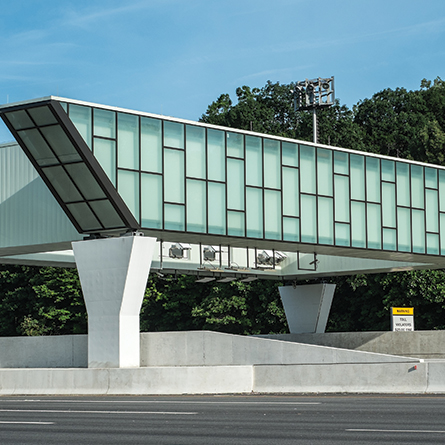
x: 402, y: 310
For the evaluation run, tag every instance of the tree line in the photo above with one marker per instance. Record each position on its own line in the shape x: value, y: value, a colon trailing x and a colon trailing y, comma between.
x: 394, y: 122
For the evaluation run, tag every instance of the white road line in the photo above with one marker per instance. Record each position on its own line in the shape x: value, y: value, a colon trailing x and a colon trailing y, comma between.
x: 69, y: 411
x: 394, y: 431
x: 176, y: 402
x: 28, y: 423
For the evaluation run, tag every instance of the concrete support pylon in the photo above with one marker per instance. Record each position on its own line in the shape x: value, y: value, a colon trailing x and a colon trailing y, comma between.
x: 113, y: 273
x: 307, y: 307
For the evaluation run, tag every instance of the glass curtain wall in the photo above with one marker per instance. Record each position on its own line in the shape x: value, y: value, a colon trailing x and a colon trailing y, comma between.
x: 178, y: 176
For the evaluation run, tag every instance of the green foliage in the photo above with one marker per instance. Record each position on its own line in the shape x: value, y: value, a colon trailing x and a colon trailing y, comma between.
x: 36, y: 301
x: 177, y: 303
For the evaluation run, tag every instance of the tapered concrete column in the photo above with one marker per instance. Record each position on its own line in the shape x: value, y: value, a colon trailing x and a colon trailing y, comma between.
x: 307, y: 307
x: 113, y: 273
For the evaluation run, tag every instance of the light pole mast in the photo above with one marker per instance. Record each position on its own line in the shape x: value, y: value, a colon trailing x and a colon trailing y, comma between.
x: 312, y: 94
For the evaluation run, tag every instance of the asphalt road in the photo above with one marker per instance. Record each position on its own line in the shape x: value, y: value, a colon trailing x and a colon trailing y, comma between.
x: 214, y: 420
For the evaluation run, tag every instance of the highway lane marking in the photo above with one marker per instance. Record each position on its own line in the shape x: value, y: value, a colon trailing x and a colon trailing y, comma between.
x: 27, y: 423
x: 393, y: 431
x: 208, y: 402
x: 69, y: 411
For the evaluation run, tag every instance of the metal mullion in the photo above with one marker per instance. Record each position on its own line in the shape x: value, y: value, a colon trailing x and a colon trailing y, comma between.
x: 185, y: 176
x: 316, y: 195
x: 116, y: 149
x: 227, y: 184
x: 350, y: 200
x: 163, y: 175
x: 206, y: 155
x: 140, y: 167
x: 263, y: 200
x: 281, y: 185
x: 245, y: 185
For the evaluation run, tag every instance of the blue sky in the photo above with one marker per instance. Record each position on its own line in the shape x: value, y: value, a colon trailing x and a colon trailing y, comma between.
x: 175, y: 57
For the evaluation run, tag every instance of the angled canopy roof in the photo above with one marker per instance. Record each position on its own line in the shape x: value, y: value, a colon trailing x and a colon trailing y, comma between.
x: 66, y: 164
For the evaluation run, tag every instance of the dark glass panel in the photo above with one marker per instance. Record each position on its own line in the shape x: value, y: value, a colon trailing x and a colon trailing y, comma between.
x: 42, y: 116
x: 60, y: 143
x: 84, y: 216
x: 85, y: 181
x: 62, y: 183
x: 38, y: 147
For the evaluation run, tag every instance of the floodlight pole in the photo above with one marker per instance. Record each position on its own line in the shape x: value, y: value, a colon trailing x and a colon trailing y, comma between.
x: 311, y: 94
x: 314, y: 120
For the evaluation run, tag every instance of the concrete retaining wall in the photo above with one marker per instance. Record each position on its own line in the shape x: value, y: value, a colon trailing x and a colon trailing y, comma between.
x: 206, y: 348
x: 58, y: 351
x: 193, y: 348
x: 421, y: 344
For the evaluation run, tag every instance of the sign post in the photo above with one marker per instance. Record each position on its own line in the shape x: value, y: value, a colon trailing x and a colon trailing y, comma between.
x: 402, y: 318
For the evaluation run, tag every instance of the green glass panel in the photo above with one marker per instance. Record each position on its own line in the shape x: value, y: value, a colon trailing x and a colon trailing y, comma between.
x: 291, y: 202
x: 358, y: 224
x: 151, y: 145
x: 272, y: 164
x: 325, y: 221
x: 403, y: 191
x: 403, y: 229
x: 38, y: 147
x: 104, y: 123
x: 389, y: 239
x: 235, y: 184
x: 388, y: 170
x: 341, y: 187
x: 105, y: 153
x: 235, y: 145
x: 235, y: 223
x: 85, y: 181
x: 357, y: 178
x: 217, y: 208
x: 417, y: 187
x: 195, y: 152
x: 342, y: 234
x: 42, y: 115
x: 84, y: 216
x: 432, y: 211
x: 106, y: 213
x: 216, y: 153
x: 272, y: 214
x: 442, y: 233
x: 374, y: 226
x: 432, y: 244
x: 442, y: 190
x: 81, y: 118
x: 128, y: 188
x: 289, y: 154
x: 173, y: 135
x: 60, y: 143
x: 254, y: 161
x: 151, y: 201
x: 174, y: 176
x: 64, y: 106
x: 373, y: 179
x: 324, y: 171
x: 20, y: 119
x: 341, y: 163
x: 196, y: 206
x: 62, y: 183
x: 128, y: 141
x: 307, y: 169
x: 430, y: 178
x: 291, y: 229
x: 174, y: 217
x: 254, y: 212
x: 418, y: 231
x: 308, y: 218
x: 389, y: 204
